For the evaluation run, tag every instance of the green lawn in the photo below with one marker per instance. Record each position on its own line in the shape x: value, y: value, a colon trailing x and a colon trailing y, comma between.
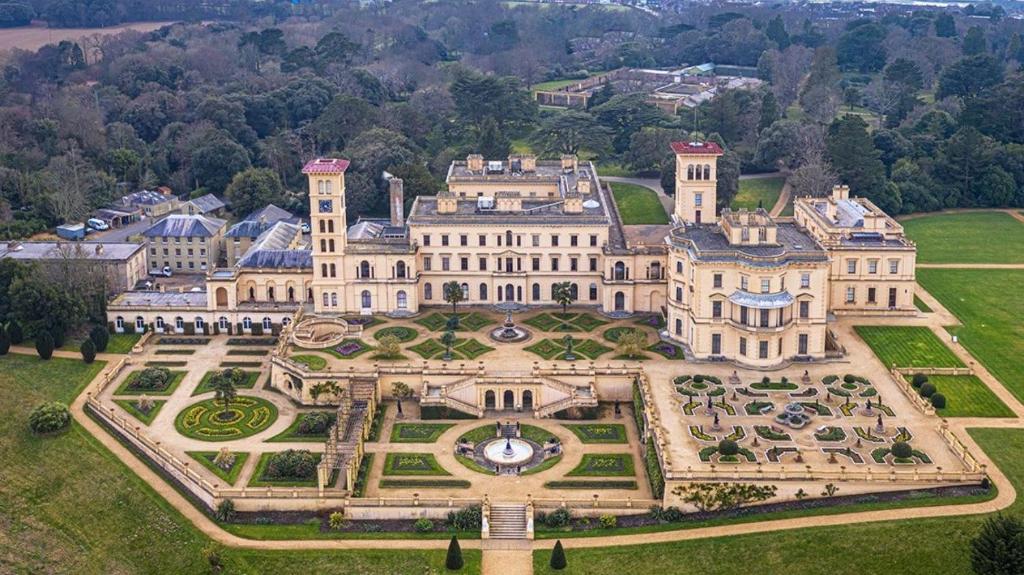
x: 638, y: 205
x: 967, y: 396
x: 907, y: 346
x: 131, y: 406
x: 122, y: 342
x: 412, y: 464
x: 598, y: 432
x: 312, y: 362
x: 205, y: 385
x: 758, y: 192
x: 604, y: 465
x: 989, y: 305
x: 971, y: 237
x: 291, y: 433
x: 126, y: 389
x: 207, y: 459
x: 418, y: 432
x: 60, y: 522
x: 875, y: 548
x: 921, y: 306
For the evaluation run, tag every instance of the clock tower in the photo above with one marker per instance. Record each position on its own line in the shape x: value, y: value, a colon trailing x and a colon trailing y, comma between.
x: 696, y: 181
x: 328, y: 229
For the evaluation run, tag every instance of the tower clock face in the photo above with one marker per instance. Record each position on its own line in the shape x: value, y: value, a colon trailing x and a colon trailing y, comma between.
x: 326, y: 206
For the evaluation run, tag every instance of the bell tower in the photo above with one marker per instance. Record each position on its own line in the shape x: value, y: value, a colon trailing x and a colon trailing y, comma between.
x: 696, y: 181
x: 328, y: 229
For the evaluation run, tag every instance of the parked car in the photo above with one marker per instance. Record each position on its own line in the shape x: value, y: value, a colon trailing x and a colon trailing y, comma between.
x: 305, y: 227
x: 165, y: 272
x: 98, y: 224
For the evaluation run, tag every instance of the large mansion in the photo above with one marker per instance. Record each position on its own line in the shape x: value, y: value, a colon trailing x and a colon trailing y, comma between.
x: 737, y: 286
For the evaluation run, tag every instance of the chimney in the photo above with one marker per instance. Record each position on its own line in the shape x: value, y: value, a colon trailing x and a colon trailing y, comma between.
x: 447, y: 203
x: 475, y: 163
x: 569, y: 162
x: 99, y: 249
x: 583, y: 186
x: 396, y: 192
x: 840, y: 192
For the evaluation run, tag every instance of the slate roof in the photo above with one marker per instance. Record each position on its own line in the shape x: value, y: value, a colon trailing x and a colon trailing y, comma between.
x: 183, y: 226
x: 259, y: 221
x: 325, y: 166
x: 101, y: 251
x: 706, y: 242
x: 145, y: 198
x: 207, y: 203
x: 275, y: 259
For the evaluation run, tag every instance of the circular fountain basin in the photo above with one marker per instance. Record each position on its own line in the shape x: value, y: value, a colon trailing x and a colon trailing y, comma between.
x: 518, y: 452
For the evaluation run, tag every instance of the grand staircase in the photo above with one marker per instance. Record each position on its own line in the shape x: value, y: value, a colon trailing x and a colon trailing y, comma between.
x: 508, y: 521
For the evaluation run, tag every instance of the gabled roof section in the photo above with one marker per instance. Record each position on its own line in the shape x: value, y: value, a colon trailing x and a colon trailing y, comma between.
x: 260, y: 221
x: 325, y: 166
x: 183, y: 226
x: 207, y: 203
x: 695, y: 148
x: 277, y: 259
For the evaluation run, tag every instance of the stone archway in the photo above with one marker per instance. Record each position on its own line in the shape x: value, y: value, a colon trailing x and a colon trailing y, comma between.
x: 527, y: 400
x: 508, y: 400
x: 222, y: 297
x: 490, y: 402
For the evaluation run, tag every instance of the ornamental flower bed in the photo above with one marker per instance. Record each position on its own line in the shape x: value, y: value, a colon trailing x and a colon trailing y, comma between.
x: 349, y: 348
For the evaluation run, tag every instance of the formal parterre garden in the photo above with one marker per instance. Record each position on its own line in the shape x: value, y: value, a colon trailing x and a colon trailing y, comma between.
x: 583, y: 349
x: 412, y: 464
x: 224, y: 464
x: 418, y: 432
x: 598, y: 432
x: 471, y: 321
x: 571, y: 322
x: 462, y: 348
x: 604, y: 465
x: 312, y: 426
x: 206, y: 383
x: 402, y: 333
x: 142, y: 407
x: 156, y: 380
x: 208, y: 420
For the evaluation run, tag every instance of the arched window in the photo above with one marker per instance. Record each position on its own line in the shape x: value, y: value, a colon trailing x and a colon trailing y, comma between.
x: 365, y: 299
x: 655, y: 271
x: 286, y: 321
x: 323, y: 270
x: 620, y: 271
x: 334, y: 299
x: 252, y: 293
x: 554, y: 292
x: 267, y: 324
x: 679, y: 327
x: 222, y: 323
x: 309, y: 295
x: 330, y: 229
x: 535, y: 292
x: 403, y: 299
x: 465, y: 291
x: 508, y: 237
x: 159, y: 322
x: 707, y: 171
x: 321, y: 187
x: 364, y: 269
x: 574, y: 291
x: 270, y: 293
x: 689, y: 172
x: 329, y: 186
x: 428, y: 291
x: 291, y: 293
x: 119, y: 323
x: 330, y: 245
x: 334, y: 270
x: 483, y: 292
x: 246, y: 322
x: 620, y: 301
x: 679, y: 293
x: 593, y: 292
x: 400, y: 270
x: 140, y: 323
x: 327, y: 299
x: 199, y: 323
x: 323, y: 226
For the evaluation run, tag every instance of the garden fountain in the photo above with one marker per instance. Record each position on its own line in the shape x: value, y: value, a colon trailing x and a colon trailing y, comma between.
x: 793, y: 415
x: 509, y: 332
x: 513, y: 451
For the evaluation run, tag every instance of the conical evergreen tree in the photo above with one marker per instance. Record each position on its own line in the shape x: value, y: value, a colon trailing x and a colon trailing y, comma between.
x: 454, y: 559
x: 558, y: 556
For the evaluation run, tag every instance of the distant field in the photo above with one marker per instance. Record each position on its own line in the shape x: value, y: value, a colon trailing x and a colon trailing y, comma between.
x: 989, y: 304
x: 968, y: 237
x: 755, y: 192
x: 638, y: 205
x: 35, y: 37
x: 907, y: 346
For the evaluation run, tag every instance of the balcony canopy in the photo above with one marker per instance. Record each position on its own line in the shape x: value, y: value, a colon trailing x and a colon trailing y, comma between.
x: 762, y: 300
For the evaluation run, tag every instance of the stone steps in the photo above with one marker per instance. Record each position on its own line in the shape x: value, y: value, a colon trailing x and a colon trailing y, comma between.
x: 508, y: 521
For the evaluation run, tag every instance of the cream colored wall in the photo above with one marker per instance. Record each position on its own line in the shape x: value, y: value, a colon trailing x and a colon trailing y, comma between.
x: 685, y: 208
x: 882, y: 281
x: 157, y: 258
x: 470, y: 189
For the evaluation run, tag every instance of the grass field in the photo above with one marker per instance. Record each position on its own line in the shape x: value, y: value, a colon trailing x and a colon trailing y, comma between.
x: 70, y: 506
x: 638, y: 205
x: 755, y: 192
x: 968, y: 396
x: 989, y: 305
x: 870, y: 549
x: 906, y: 346
x: 971, y: 237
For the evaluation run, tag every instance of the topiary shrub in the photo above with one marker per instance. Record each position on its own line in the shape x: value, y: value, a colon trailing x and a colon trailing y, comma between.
x: 728, y: 447
x: 558, y: 518
x: 558, y: 557
x: 49, y: 417
x: 152, y: 378
x: 849, y: 378
x: 100, y: 338
x: 453, y: 561
x: 926, y: 390
x: 292, y: 464
x: 938, y: 400
x: 902, y: 450
x: 58, y: 339
x: 698, y: 379
x: 88, y: 350
x: 918, y: 380
x: 15, y: 333
x: 423, y: 525
x: 315, y: 423
x: 44, y: 345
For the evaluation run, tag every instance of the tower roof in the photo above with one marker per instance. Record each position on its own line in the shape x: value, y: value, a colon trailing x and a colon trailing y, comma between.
x: 325, y: 166
x: 697, y: 148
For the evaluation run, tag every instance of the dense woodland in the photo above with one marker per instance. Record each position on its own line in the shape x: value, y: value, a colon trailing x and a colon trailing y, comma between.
x: 916, y: 109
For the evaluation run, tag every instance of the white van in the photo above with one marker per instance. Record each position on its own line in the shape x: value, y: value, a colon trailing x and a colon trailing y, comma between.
x: 97, y: 224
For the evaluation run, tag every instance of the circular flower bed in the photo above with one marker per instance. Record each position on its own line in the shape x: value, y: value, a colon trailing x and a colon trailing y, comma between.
x: 404, y: 334
x: 208, y: 420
